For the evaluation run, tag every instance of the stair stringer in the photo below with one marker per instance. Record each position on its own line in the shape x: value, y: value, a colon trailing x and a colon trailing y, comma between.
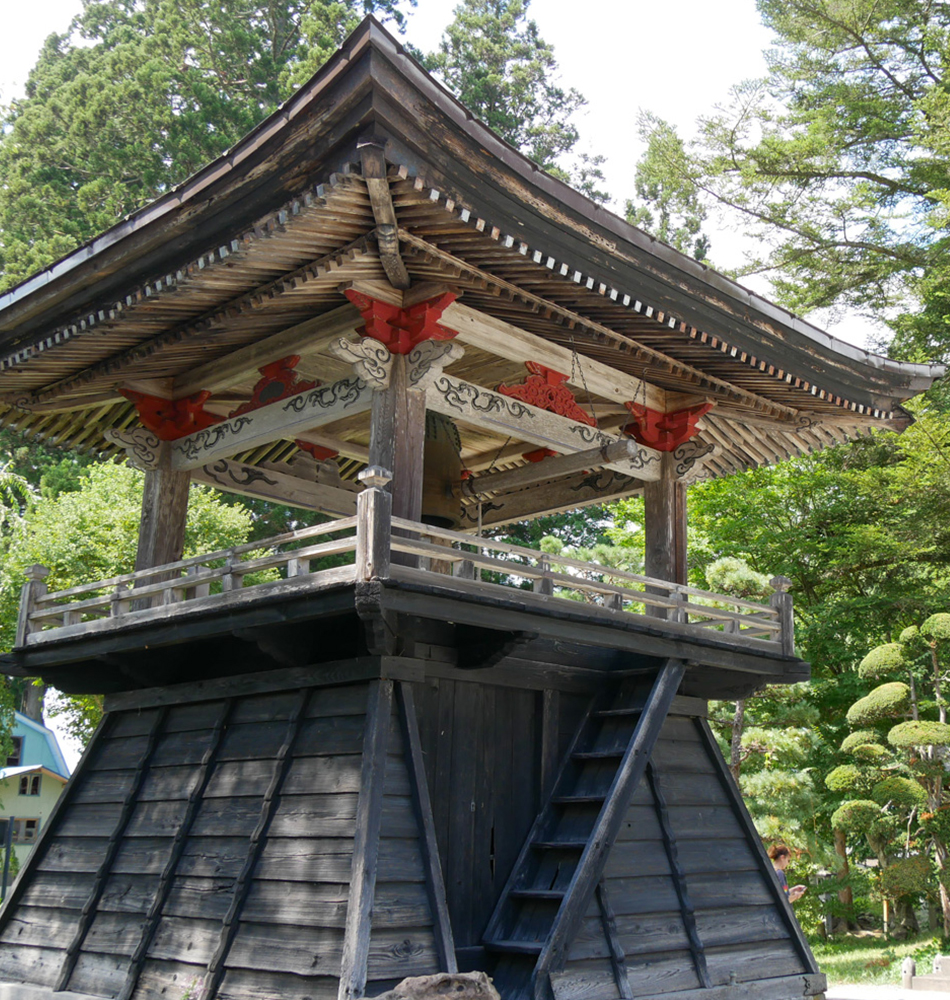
x: 741, y: 925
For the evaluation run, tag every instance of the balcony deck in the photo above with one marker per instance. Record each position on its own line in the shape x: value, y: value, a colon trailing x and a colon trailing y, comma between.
x: 404, y: 554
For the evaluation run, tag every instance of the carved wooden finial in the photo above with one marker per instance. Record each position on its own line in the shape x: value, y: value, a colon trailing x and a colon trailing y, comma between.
x: 375, y: 477
x: 37, y: 572
x: 780, y: 583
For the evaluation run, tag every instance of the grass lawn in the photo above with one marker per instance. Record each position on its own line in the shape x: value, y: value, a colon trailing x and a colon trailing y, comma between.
x: 869, y: 958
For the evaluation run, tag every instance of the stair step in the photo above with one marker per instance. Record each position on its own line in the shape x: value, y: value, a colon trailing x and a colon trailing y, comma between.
x: 597, y: 754
x: 577, y: 800
x: 537, y: 893
x: 515, y: 947
x: 559, y: 845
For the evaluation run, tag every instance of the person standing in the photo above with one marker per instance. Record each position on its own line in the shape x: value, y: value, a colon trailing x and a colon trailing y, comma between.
x: 780, y: 857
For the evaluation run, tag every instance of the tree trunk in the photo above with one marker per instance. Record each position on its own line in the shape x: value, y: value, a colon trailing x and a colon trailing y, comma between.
x: 31, y: 705
x: 845, y: 895
x: 735, y: 744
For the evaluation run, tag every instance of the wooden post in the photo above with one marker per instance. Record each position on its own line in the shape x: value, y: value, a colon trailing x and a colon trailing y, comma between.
x: 665, y: 530
x: 33, y: 590
x: 164, y: 512
x: 397, y: 439
x: 781, y: 600
x: 373, y: 525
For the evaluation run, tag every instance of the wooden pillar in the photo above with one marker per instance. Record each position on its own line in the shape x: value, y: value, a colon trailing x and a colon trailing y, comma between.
x: 665, y: 528
x: 164, y: 513
x: 397, y: 438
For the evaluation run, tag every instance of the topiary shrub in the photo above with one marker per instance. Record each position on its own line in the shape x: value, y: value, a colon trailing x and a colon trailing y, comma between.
x: 906, y: 876
x: 904, y: 792
x: 859, y: 738
x: 921, y: 733
x: 845, y: 778
x: 856, y: 816
x: 882, y: 661
x: 884, y: 702
x: 936, y: 628
x: 870, y: 753
x: 908, y: 635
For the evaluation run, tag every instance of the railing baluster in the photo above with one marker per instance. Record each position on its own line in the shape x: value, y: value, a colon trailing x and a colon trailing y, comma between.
x: 544, y: 584
x: 33, y: 591
x: 781, y: 600
x: 373, y: 525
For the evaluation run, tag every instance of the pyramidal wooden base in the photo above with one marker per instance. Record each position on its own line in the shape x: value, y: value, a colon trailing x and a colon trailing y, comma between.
x: 561, y: 820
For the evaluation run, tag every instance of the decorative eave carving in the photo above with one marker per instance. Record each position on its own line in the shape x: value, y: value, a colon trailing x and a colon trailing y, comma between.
x: 547, y: 389
x: 402, y: 328
x: 278, y: 381
x: 171, y: 419
x: 664, y: 431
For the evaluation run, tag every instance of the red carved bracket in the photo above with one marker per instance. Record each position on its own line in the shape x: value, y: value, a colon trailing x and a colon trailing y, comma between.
x: 170, y: 419
x: 546, y: 389
x: 539, y: 455
x: 402, y: 329
x: 278, y: 381
x: 317, y: 451
x: 664, y: 431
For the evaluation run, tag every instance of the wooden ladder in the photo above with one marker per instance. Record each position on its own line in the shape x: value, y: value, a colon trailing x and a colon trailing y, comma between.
x: 557, y: 873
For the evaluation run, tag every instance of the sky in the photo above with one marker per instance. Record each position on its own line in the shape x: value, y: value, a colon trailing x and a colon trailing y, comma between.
x: 676, y: 59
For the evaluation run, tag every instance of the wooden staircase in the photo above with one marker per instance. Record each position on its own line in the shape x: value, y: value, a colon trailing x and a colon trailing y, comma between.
x: 561, y: 863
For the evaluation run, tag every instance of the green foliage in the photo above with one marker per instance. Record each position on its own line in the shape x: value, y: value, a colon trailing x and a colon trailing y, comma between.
x: 837, y: 161
x: 845, y: 778
x: 856, y: 816
x: 136, y: 97
x: 495, y: 61
x: 870, y: 753
x: 730, y: 575
x: 901, y: 792
x: 884, y: 702
x: 91, y: 534
x: 860, y: 738
x: 919, y: 734
x: 907, y: 875
x: 668, y: 203
x: 882, y: 661
x: 936, y: 628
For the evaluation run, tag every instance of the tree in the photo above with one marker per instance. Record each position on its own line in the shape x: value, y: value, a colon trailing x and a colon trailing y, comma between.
x: 896, y: 781
x: 838, y: 159
x: 89, y: 534
x: 668, y: 203
x: 495, y: 61
x: 136, y: 97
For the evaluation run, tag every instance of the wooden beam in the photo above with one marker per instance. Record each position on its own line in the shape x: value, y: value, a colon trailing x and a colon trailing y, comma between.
x: 484, y: 408
x: 283, y: 419
x: 624, y: 451
x: 276, y: 487
x: 380, y: 198
x: 348, y: 449
x: 369, y: 810
x: 579, y: 490
x: 309, y: 337
x: 507, y: 341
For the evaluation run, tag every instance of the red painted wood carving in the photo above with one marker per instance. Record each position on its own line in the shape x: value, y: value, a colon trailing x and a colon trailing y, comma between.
x: 664, y: 431
x: 317, y: 451
x: 170, y: 419
x: 547, y: 389
x: 402, y: 329
x: 278, y: 381
x: 539, y: 454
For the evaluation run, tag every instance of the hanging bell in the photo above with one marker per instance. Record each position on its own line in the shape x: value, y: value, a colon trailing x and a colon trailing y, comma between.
x: 442, y: 472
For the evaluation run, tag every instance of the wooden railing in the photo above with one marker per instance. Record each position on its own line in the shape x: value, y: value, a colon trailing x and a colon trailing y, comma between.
x: 384, y: 546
